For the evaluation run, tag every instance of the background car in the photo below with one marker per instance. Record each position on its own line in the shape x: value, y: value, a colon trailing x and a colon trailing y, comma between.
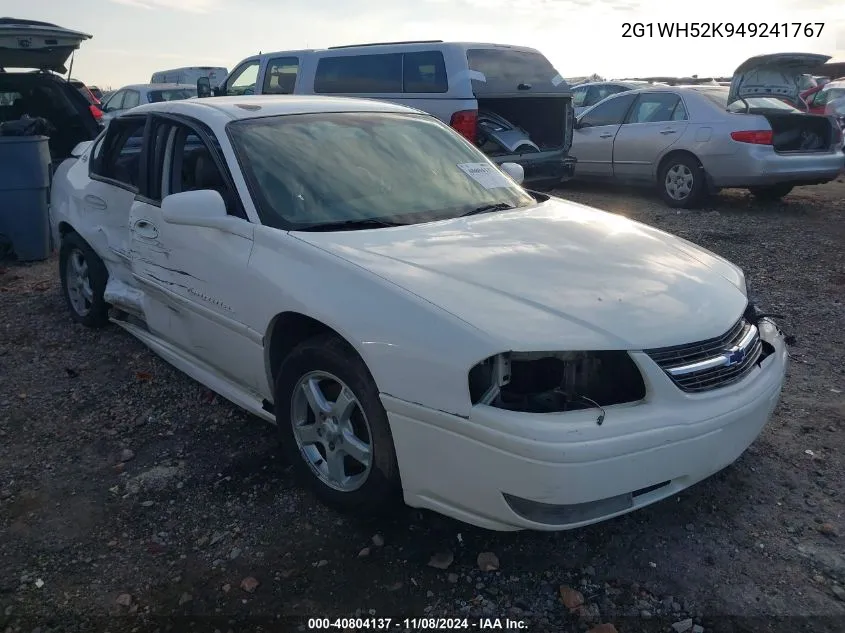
x: 45, y: 93
x: 134, y: 95
x: 817, y: 98
x: 587, y: 95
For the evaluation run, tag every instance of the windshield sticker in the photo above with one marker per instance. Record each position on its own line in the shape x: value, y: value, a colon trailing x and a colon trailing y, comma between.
x: 486, y: 175
x: 557, y: 80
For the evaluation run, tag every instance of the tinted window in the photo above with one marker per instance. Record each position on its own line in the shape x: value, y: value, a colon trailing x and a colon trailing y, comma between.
x: 242, y: 81
x: 579, y: 97
x: 119, y: 157
x: 653, y: 108
x: 115, y: 102
x: 610, y: 112
x: 359, y: 74
x: 280, y: 77
x: 175, y: 94
x: 504, y: 69
x: 424, y: 72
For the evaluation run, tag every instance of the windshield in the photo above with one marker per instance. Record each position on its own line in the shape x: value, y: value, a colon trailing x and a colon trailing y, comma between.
x: 174, y: 94
x: 311, y: 169
x: 719, y: 96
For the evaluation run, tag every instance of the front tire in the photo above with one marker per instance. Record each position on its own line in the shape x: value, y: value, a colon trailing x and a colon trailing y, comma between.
x: 333, y: 427
x: 770, y: 193
x: 682, y: 182
x: 84, y: 276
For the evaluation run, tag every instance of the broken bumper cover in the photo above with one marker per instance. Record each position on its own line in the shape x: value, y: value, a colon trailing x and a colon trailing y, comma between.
x: 506, y: 470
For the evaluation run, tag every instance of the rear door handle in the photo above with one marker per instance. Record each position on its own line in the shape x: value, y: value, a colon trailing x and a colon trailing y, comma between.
x: 605, y: 135
x: 668, y: 131
x: 146, y: 229
x: 96, y: 202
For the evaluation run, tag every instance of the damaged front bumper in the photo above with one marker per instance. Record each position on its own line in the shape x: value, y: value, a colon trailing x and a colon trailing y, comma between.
x: 507, y: 470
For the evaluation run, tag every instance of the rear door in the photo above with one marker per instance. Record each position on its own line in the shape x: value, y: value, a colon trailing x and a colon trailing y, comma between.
x: 654, y: 123
x: 592, y: 142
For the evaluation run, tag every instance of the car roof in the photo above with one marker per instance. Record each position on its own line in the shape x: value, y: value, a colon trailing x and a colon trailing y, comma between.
x: 255, y: 106
x: 376, y: 46
x: 156, y: 86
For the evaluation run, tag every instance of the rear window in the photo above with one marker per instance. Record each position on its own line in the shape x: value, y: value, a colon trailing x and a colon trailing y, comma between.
x: 176, y: 94
x: 719, y: 96
x: 505, y: 69
x: 418, y: 72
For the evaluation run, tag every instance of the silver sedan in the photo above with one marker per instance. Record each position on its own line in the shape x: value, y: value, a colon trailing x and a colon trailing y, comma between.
x: 690, y: 142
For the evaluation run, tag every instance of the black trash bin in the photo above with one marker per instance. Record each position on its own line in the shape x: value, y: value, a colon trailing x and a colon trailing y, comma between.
x: 25, y: 173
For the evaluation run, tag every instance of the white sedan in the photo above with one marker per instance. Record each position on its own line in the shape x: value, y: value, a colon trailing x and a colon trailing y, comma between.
x: 414, y: 321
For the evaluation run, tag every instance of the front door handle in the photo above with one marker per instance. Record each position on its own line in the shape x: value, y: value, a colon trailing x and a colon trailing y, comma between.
x: 146, y: 229
x: 668, y: 131
x: 96, y: 202
x: 605, y: 135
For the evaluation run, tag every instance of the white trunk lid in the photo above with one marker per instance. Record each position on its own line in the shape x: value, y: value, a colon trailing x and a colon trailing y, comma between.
x: 36, y: 45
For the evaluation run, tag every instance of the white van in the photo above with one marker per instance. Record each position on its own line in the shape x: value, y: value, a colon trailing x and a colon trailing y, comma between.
x: 508, y: 100
x: 190, y: 75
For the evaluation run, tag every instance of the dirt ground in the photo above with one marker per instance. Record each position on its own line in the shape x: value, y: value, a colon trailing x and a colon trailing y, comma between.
x: 127, y: 489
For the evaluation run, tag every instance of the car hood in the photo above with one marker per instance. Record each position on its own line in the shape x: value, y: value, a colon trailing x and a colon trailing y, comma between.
x: 38, y: 45
x: 778, y: 75
x: 555, y: 276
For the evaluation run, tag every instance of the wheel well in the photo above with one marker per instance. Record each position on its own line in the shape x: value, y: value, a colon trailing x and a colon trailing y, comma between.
x: 673, y: 154
x: 65, y: 228
x: 286, y: 331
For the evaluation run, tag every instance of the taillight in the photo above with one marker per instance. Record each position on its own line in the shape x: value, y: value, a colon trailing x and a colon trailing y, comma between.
x: 96, y: 112
x: 466, y: 123
x: 757, y: 137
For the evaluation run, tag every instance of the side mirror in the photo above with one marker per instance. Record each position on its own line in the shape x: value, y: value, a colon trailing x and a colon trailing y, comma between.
x: 203, y: 87
x: 515, y: 171
x: 80, y: 149
x: 195, y: 208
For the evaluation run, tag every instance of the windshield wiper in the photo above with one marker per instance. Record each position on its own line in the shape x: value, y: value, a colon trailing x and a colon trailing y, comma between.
x: 349, y: 225
x: 499, y: 206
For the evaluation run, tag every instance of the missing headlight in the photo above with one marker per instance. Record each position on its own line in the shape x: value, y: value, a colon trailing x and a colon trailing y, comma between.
x: 551, y: 382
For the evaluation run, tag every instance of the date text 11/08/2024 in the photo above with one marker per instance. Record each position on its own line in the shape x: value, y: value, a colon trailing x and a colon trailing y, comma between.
x: 416, y: 624
x: 723, y: 29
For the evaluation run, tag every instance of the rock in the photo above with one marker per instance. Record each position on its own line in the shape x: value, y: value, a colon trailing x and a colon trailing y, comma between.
x: 127, y: 455
x: 249, y: 584
x: 603, y: 628
x: 364, y: 552
x: 396, y: 586
x: 5, y: 493
x: 828, y: 529
x: 124, y: 600
x: 226, y: 588
x: 698, y: 629
x: 429, y: 594
x: 645, y: 614
x: 682, y: 626
x: 378, y: 540
x: 322, y: 563
x: 234, y: 553
x: 452, y: 578
x: 147, y: 504
x: 155, y: 479
x: 216, y: 538
x: 839, y: 592
x: 571, y: 598
x: 442, y: 560
x: 488, y: 561
x: 690, y: 527
x: 185, y: 598
x: 589, y: 571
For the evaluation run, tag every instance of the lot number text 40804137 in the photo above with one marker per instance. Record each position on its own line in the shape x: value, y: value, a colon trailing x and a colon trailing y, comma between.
x: 416, y: 624
x: 723, y: 29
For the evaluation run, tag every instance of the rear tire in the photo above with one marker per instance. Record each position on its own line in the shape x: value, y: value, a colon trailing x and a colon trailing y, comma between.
x: 325, y: 449
x: 682, y: 182
x: 84, y: 276
x: 770, y: 193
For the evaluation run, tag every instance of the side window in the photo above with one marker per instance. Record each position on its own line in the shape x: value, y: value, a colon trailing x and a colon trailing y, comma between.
x: 242, y: 81
x: 118, y: 156
x: 424, y: 72
x: 579, y: 97
x: 359, y: 74
x: 653, y: 108
x: 132, y: 99
x: 610, y: 112
x: 115, y: 102
x: 189, y: 165
x: 680, y: 113
x: 280, y: 78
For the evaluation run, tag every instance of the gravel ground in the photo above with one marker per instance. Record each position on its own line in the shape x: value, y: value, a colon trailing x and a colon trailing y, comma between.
x: 128, y: 489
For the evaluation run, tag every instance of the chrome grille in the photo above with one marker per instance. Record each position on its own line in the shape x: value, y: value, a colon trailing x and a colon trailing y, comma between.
x: 713, y: 363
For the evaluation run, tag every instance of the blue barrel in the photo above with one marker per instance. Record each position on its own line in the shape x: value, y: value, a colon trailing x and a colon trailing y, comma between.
x: 25, y: 196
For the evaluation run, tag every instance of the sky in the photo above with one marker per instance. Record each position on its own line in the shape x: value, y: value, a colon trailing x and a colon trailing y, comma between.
x: 134, y: 38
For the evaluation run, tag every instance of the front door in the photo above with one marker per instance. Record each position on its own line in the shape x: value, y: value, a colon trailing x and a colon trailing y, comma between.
x: 655, y: 123
x: 196, y: 280
x: 592, y: 139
